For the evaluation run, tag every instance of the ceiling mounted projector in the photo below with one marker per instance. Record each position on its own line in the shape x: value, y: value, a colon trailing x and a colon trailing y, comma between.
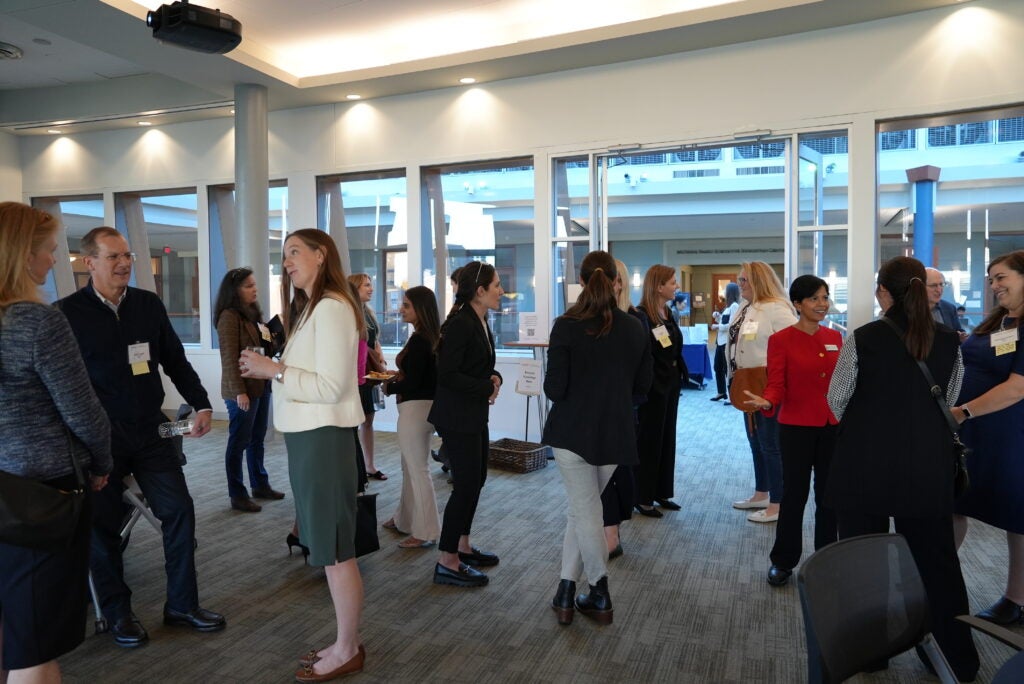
x: 195, y: 28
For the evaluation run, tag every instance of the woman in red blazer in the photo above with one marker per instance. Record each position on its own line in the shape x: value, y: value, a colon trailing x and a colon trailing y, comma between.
x: 801, y: 359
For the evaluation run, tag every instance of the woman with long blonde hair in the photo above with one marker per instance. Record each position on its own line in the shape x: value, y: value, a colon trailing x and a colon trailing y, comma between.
x: 765, y: 310
x: 316, y: 405
x: 657, y: 416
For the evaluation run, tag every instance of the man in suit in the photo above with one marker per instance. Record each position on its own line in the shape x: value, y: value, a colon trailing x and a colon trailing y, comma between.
x: 942, y: 311
x: 124, y: 334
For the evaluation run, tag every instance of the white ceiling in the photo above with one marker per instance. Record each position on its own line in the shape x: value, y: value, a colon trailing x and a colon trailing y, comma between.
x: 94, y: 62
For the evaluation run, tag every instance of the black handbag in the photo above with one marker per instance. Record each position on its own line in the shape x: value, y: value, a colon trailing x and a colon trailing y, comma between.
x: 36, y: 515
x: 961, y: 478
x: 366, y: 540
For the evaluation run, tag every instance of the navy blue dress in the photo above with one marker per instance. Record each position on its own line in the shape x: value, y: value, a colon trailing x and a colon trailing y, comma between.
x: 996, y: 467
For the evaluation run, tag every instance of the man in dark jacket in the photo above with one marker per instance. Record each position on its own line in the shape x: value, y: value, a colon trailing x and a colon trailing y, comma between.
x: 124, y: 334
x: 942, y: 311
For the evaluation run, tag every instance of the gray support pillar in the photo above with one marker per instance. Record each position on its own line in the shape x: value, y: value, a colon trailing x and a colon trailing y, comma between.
x: 138, y: 239
x: 433, y: 206
x: 63, y: 274
x: 252, y: 183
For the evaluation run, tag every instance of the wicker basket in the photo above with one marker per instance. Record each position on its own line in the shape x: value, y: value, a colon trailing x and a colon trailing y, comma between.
x: 517, y: 456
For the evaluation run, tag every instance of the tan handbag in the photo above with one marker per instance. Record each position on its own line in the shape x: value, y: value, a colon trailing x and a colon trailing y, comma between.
x: 753, y: 380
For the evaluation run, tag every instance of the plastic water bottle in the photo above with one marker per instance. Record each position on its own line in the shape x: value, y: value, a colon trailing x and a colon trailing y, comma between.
x: 176, y: 428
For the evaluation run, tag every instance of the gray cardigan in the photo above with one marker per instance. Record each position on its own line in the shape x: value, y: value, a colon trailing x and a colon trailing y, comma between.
x: 45, y: 387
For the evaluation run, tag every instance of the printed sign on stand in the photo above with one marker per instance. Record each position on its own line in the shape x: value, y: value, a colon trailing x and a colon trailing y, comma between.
x: 531, y: 378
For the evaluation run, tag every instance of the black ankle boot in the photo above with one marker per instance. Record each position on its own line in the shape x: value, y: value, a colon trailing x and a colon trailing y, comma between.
x: 562, y: 603
x: 596, y: 605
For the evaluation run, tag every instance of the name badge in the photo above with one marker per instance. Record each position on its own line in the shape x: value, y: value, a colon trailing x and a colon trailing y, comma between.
x: 1004, y: 341
x: 138, y: 357
x: 831, y: 347
x: 661, y: 334
x: 749, y: 330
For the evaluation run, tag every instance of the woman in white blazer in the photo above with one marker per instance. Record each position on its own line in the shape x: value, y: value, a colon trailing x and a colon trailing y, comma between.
x: 316, y: 405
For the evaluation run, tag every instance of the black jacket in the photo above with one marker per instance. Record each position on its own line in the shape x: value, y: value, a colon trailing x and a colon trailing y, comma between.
x: 465, y: 364
x: 418, y: 371
x: 591, y: 382
x: 669, y: 367
x: 894, y: 449
x: 103, y: 338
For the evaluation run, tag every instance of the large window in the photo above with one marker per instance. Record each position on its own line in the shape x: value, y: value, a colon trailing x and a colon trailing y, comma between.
x: 367, y: 212
x: 970, y: 205
x: 78, y: 214
x: 162, y: 230
x: 571, y: 226
x: 485, y: 211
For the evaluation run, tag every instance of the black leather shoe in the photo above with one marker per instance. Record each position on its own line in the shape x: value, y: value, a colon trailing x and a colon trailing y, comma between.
x: 465, y: 576
x: 563, y: 601
x: 1003, y: 612
x: 245, y: 504
x: 650, y: 512
x: 616, y: 552
x: 668, y: 504
x: 200, y: 619
x: 128, y: 631
x: 478, y: 558
x: 778, y: 576
x: 597, y: 605
x: 267, y: 493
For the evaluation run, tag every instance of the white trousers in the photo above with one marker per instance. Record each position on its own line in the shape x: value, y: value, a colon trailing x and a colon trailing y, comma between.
x: 417, y: 507
x: 584, y: 546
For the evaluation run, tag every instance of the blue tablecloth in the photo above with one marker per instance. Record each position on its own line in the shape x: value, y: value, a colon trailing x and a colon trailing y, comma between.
x: 698, y: 362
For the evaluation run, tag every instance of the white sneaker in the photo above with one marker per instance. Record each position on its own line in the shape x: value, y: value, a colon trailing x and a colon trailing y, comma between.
x: 762, y: 517
x: 750, y: 503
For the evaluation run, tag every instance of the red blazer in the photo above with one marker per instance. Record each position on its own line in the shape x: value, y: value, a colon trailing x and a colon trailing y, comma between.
x: 799, y: 371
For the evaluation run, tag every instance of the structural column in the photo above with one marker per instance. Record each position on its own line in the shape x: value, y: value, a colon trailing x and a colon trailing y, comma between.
x: 252, y: 183
x: 925, y: 179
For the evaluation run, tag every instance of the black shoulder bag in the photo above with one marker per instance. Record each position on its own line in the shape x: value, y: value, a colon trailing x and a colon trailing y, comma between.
x: 961, y: 480
x: 36, y: 515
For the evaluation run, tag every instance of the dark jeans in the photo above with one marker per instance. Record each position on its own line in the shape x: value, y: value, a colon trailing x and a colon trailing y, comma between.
x: 720, y: 367
x: 804, y: 449
x: 246, y: 432
x: 468, y: 454
x: 932, y: 546
x: 656, y: 442
x: 763, y: 436
x: 139, y: 451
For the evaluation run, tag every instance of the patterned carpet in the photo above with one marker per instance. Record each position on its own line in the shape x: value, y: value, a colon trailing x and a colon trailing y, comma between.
x: 690, y: 596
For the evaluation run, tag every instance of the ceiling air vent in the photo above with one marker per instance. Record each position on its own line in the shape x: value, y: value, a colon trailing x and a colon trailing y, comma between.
x: 8, y: 51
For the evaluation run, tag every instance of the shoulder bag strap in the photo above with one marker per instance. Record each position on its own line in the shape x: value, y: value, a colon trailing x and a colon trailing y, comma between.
x: 934, y: 388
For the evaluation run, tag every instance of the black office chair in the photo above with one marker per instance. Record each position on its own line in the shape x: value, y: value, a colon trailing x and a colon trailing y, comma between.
x: 863, y: 603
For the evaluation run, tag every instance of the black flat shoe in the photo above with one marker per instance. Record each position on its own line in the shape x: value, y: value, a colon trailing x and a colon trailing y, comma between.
x: 563, y: 601
x: 668, y: 504
x: 718, y: 397
x: 1003, y: 612
x: 128, y: 632
x: 616, y: 552
x: 465, y: 576
x: 478, y: 558
x: 199, y: 619
x: 778, y: 576
x: 650, y: 512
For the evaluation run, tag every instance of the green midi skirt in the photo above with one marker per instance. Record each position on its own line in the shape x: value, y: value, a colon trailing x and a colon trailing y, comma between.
x: 322, y: 469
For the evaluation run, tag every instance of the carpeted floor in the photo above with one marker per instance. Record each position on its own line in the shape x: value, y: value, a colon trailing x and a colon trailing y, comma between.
x: 690, y: 596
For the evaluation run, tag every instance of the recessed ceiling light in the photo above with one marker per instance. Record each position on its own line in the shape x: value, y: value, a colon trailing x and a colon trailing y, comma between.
x: 467, y: 80
x: 353, y: 96
x: 145, y: 123
x: 54, y: 130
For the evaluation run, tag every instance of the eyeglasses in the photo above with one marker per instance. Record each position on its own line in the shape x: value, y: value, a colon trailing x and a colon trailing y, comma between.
x: 937, y: 286
x: 115, y: 258
x: 742, y: 280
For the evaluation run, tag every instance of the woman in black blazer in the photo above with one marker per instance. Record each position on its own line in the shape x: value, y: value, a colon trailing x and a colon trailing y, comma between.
x: 656, y: 434
x: 894, y: 449
x: 598, y: 360
x: 467, y: 384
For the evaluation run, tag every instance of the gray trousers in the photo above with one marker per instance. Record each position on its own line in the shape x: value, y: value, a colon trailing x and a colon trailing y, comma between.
x: 584, y: 547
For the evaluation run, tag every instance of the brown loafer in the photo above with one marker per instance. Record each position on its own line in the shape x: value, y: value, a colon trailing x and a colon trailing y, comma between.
x: 245, y: 504
x: 354, y: 665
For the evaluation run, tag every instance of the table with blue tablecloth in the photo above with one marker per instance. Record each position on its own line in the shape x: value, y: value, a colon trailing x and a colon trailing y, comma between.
x: 698, y: 362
